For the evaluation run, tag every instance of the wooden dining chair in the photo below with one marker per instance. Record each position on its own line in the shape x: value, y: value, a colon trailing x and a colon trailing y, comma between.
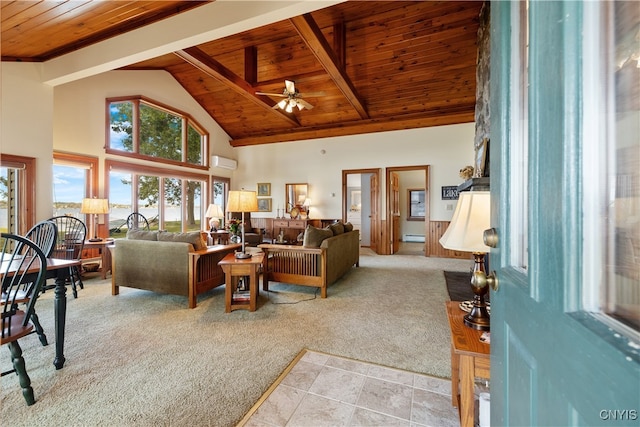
x: 43, y: 234
x: 137, y: 221
x: 71, y: 233
x: 21, y: 262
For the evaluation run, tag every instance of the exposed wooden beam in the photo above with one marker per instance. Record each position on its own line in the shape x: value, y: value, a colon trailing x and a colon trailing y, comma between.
x: 315, y: 40
x: 213, y: 68
x: 409, y: 121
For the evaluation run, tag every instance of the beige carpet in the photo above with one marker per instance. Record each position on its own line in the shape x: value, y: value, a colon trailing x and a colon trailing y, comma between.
x: 144, y: 359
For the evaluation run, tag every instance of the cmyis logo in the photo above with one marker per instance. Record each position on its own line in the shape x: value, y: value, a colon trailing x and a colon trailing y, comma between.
x: 619, y: 414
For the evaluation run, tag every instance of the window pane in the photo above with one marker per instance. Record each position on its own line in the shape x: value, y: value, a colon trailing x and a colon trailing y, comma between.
x: 622, y: 292
x: 194, y: 146
x: 9, y: 200
x: 148, y: 203
x: 69, y: 188
x: 518, y: 147
x: 121, y: 126
x: 173, y: 204
x: 193, y: 205
x: 120, y: 202
x: 160, y: 133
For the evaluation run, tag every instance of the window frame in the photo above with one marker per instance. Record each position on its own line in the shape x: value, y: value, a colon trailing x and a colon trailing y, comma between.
x: 410, y: 205
x: 187, y: 121
x: 27, y: 192
x: 138, y: 169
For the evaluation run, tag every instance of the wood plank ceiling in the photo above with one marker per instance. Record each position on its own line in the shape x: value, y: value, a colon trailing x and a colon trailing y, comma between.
x: 382, y: 65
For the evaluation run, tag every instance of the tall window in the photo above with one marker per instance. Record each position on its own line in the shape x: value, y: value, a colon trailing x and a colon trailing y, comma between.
x: 75, y: 177
x: 142, y: 128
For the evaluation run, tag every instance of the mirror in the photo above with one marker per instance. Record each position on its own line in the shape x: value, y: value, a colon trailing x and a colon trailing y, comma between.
x: 295, y: 195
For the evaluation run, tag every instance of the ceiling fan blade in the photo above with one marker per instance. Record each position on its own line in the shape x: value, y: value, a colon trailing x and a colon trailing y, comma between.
x: 271, y: 94
x: 290, y: 86
x: 304, y: 103
x: 312, y: 94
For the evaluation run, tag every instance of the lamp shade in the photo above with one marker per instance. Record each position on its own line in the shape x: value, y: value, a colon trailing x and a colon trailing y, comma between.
x: 470, y: 219
x: 214, y: 211
x: 242, y: 201
x: 95, y: 206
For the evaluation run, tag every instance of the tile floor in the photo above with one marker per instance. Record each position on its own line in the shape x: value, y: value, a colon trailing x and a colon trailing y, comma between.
x: 325, y: 390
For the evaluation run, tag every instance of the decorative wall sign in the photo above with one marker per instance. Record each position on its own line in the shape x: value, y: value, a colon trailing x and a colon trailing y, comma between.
x: 450, y: 192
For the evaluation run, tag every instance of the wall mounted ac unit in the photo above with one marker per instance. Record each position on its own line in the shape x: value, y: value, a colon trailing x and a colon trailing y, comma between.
x: 223, y: 162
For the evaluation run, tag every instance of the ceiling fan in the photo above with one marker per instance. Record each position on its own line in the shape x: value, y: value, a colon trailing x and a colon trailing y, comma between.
x: 293, y: 98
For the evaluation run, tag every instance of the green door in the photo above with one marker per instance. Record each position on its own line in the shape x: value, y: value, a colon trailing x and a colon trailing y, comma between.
x: 565, y: 205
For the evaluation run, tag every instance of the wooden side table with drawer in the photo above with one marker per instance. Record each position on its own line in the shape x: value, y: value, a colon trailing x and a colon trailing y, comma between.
x: 470, y: 359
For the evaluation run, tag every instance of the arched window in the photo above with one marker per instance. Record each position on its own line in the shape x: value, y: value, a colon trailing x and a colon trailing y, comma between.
x: 141, y: 128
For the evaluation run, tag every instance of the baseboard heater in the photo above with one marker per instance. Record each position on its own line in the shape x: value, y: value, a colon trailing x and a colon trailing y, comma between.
x: 413, y: 237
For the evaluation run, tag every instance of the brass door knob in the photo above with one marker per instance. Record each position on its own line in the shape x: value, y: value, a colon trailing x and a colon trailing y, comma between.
x: 490, y: 237
x: 480, y: 280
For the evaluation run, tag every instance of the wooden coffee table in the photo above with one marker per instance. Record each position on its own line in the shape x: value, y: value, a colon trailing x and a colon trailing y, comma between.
x: 234, y: 269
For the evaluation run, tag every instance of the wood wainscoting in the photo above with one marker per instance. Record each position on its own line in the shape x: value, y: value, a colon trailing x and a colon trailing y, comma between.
x: 434, y: 248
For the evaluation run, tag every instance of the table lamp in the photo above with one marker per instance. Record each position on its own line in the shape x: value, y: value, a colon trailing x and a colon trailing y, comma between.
x: 242, y: 201
x: 95, y: 207
x: 465, y: 234
x: 214, y: 213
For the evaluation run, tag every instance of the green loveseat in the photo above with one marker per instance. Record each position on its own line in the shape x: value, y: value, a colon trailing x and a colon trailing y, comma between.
x: 169, y: 263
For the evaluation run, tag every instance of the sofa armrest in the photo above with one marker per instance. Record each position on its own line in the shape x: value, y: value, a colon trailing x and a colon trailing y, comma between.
x: 204, y: 271
x: 295, y: 264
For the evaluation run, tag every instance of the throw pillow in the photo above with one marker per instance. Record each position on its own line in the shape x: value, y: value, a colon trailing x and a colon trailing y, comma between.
x: 313, y: 236
x: 193, y: 237
x: 142, y: 235
x: 337, y: 228
x: 348, y: 227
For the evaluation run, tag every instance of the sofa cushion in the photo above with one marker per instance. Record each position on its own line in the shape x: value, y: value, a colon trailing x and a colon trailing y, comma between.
x: 313, y: 236
x: 193, y: 237
x: 348, y: 227
x: 142, y: 235
x: 337, y: 228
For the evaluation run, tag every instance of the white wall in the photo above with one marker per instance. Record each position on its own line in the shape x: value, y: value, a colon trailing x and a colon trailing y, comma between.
x: 26, y: 120
x: 320, y: 163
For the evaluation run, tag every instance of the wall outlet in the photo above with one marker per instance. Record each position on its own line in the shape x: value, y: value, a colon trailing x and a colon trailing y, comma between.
x: 449, y: 207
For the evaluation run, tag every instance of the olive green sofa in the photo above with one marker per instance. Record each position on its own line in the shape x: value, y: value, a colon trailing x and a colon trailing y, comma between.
x: 168, y: 263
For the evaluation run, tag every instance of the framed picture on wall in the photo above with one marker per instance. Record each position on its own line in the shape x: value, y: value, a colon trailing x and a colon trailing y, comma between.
x: 264, y: 205
x: 264, y: 189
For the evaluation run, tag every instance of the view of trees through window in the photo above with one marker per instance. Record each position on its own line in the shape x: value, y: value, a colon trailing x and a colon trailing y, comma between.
x: 157, y: 132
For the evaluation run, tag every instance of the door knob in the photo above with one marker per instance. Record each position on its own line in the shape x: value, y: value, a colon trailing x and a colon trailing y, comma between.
x: 480, y: 280
x: 490, y: 237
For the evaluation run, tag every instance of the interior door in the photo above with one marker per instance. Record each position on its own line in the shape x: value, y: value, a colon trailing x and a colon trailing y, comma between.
x: 554, y: 361
x: 395, y: 212
x: 374, y: 219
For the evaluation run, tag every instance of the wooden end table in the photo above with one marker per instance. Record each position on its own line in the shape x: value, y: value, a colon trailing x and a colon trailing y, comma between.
x: 105, y: 254
x: 234, y: 267
x: 470, y: 359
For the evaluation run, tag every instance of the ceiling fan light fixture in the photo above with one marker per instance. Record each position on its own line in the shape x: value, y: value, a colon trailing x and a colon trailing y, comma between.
x: 282, y: 104
x: 289, y: 108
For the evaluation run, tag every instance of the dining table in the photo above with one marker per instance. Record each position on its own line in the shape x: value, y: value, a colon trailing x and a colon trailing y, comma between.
x: 59, y: 270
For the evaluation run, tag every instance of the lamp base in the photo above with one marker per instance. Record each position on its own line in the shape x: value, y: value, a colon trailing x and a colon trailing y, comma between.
x: 478, y: 318
x: 242, y: 255
x: 96, y: 239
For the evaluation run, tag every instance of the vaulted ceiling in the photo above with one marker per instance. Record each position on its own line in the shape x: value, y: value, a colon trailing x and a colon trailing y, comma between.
x: 378, y: 65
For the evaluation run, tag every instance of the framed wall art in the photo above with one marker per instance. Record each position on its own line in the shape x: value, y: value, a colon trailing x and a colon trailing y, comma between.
x: 264, y: 189
x: 264, y: 205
